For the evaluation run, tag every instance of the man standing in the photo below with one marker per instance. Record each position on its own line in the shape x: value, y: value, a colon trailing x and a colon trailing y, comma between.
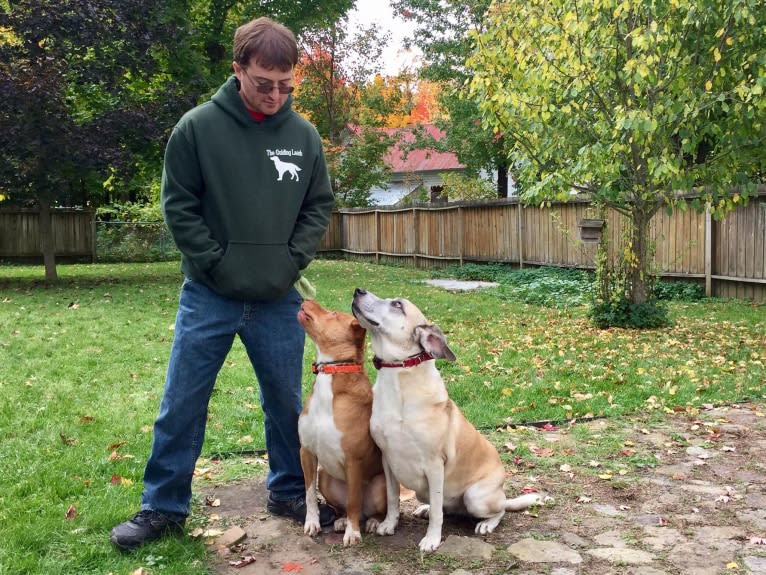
x: 247, y: 198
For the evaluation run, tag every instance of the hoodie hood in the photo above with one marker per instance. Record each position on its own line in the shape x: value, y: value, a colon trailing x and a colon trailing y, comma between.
x: 227, y: 98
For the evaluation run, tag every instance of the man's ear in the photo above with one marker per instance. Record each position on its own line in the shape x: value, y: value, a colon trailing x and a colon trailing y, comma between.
x: 432, y: 340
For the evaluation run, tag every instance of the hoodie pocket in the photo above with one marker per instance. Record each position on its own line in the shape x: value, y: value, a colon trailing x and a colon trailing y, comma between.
x: 255, y: 271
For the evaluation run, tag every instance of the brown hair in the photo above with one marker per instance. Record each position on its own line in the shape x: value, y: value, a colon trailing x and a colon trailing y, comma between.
x: 270, y: 44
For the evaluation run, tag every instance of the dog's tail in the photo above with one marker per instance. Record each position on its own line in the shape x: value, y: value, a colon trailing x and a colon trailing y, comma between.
x: 523, y: 502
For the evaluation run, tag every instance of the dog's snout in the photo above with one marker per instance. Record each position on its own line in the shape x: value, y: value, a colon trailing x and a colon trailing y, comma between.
x: 360, y: 291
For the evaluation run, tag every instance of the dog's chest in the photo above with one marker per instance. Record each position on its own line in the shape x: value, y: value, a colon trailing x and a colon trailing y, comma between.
x: 317, y: 429
x: 405, y: 439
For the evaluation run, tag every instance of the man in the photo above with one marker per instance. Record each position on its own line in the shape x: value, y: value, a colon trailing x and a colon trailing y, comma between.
x: 247, y: 197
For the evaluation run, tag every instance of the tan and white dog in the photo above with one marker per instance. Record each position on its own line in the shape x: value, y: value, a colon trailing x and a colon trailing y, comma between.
x: 337, y: 450
x: 428, y: 445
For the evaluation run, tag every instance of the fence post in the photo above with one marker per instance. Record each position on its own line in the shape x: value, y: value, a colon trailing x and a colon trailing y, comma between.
x: 708, y: 252
x: 93, y: 243
x: 519, y: 221
x: 417, y: 237
x: 377, y: 236
x: 460, y: 217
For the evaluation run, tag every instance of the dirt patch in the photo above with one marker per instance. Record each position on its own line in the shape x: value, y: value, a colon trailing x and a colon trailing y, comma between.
x: 685, y: 494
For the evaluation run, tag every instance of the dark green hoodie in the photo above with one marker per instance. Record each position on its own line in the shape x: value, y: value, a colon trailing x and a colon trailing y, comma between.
x: 247, y: 202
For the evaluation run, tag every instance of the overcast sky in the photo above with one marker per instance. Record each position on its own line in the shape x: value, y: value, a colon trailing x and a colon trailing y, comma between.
x: 379, y: 12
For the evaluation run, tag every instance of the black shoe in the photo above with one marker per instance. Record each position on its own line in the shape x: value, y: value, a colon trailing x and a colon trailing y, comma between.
x: 296, y: 509
x: 145, y: 526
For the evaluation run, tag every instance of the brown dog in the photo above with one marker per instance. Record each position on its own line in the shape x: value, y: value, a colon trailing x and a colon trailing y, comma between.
x: 428, y: 445
x: 334, y: 428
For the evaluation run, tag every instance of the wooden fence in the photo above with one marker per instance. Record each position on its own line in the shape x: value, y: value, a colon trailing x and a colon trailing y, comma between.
x: 73, y: 234
x: 728, y: 256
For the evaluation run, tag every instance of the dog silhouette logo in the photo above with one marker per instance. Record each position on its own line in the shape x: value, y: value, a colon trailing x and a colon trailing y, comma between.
x: 283, y: 167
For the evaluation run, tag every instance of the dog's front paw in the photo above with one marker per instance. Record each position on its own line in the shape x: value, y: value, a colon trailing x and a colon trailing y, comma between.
x: 351, y: 537
x: 422, y: 511
x: 372, y: 525
x: 430, y: 542
x: 311, y: 527
x: 387, y: 528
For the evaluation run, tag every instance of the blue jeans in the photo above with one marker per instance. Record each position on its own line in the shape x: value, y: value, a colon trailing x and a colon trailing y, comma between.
x: 206, y: 324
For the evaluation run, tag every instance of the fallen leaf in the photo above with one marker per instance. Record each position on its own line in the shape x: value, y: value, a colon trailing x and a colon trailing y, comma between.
x: 727, y: 448
x: 115, y: 480
x: 71, y: 513
x: 292, y: 567
x: 140, y: 571
x: 247, y: 560
x: 566, y: 468
x: 550, y: 427
x: 732, y: 566
x: 542, y: 451
x: 605, y: 476
x: 67, y: 440
x: 583, y: 499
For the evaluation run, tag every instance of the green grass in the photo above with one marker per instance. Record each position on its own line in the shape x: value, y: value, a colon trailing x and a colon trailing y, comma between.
x: 82, y: 365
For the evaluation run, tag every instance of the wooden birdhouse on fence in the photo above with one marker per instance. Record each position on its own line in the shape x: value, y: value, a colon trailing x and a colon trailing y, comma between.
x: 590, y: 230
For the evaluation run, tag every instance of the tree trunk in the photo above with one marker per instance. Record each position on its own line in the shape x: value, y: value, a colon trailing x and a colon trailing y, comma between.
x: 46, y: 240
x: 639, y: 264
x: 502, y: 180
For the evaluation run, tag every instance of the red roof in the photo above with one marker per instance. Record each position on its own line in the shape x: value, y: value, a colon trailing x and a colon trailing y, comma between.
x: 418, y: 160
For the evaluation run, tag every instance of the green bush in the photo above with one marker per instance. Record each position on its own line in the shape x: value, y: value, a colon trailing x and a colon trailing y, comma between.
x: 623, y: 313
x: 678, y: 291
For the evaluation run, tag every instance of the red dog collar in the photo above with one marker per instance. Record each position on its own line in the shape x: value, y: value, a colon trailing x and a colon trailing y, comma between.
x: 340, y: 367
x: 409, y: 362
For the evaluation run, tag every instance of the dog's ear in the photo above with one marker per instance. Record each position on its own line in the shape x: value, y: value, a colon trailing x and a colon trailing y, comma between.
x: 359, y: 331
x: 432, y: 340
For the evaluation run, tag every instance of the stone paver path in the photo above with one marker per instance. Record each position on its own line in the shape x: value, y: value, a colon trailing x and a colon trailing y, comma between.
x: 702, y: 511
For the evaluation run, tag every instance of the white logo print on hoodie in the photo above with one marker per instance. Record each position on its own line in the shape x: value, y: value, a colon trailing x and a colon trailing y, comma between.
x: 283, y: 167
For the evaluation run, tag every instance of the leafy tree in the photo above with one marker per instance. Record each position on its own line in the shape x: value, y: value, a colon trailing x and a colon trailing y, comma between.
x: 459, y: 187
x: 69, y: 103
x: 357, y: 166
x: 336, y: 92
x: 333, y: 72
x: 629, y: 101
x: 443, y: 36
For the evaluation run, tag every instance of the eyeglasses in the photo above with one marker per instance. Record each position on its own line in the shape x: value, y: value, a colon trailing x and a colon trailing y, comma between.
x: 268, y: 87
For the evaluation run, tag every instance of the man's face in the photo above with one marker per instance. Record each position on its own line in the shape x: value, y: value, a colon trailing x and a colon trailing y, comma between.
x: 260, y: 88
